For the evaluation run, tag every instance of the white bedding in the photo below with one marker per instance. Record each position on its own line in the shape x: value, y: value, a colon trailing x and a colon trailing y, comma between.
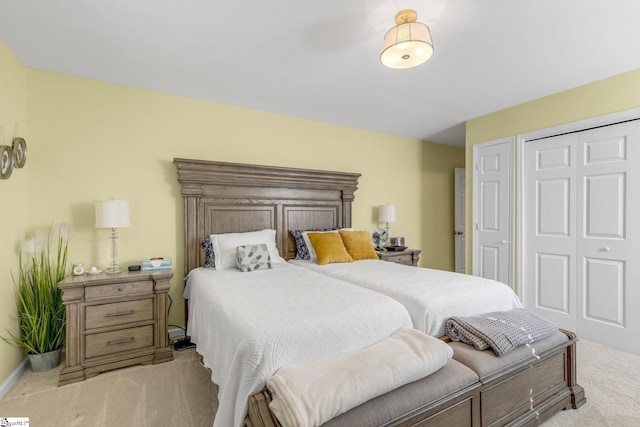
x: 431, y: 296
x: 247, y: 325
x: 313, y: 393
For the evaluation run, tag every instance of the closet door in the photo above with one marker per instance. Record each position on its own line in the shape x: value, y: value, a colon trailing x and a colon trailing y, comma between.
x: 550, y: 229
x: 608, y: 246
x: 580, y: 235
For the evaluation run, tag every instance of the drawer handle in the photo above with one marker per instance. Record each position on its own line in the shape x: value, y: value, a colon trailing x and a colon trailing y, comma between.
x: 120, y: 288
x: 124, y: 341
x: 120, y: 313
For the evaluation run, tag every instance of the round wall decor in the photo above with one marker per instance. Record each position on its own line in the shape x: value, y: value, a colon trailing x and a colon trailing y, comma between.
x: 19, y: 147
x: 6, y: 161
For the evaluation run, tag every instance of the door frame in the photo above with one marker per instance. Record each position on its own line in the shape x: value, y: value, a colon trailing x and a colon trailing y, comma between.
x: 459, y: 266
x: 475, y: 250
x: 521, y: 140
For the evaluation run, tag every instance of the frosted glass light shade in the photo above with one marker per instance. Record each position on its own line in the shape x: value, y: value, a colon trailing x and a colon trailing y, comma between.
x: 408, y: 44
x: 112, y: 214
x: 387, y: 213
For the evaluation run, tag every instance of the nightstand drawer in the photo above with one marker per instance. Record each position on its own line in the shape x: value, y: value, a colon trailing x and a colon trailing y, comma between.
x: 402, y: 259
x: 97, y: 316
x: 118, y: 290
x: 408, y: 257
x: 118, y: 341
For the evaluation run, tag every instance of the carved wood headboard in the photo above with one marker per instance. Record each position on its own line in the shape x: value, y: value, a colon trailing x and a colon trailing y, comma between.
x: 232, y: 197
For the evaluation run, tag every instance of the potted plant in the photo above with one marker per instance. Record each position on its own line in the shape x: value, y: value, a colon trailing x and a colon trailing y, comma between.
x: 41, y: 312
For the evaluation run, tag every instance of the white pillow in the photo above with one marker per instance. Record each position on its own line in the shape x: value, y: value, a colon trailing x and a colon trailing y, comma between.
x: 312, y: 252
x: 224, y: 246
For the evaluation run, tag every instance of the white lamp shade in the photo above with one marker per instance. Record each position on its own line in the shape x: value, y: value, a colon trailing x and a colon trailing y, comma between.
x: 407, y: 45
x: 387, y: 213
x: 112, y: 214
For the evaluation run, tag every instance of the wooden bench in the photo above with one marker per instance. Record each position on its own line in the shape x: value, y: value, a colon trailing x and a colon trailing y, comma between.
x: 476, y: 388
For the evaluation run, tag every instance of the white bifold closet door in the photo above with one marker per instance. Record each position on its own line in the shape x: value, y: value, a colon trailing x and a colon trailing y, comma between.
x: 582, y: 232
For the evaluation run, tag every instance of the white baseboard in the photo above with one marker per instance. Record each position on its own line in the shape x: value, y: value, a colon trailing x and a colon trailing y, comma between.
x: 13, y: 378
x: 15, y: 375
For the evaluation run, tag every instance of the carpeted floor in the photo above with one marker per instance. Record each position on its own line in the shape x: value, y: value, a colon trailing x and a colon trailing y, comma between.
x: 611, y: 379
x: 180, y: 392
x: 176, y: 393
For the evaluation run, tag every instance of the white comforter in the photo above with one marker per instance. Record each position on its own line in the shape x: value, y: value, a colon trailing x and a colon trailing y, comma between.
x: 247, y: 325
x: 431, y: 296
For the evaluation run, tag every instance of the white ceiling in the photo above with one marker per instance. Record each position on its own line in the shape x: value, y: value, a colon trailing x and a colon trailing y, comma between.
x: 320, y: 60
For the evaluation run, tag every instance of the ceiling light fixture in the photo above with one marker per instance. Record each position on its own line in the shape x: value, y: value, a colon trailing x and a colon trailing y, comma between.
x: 408, y: 44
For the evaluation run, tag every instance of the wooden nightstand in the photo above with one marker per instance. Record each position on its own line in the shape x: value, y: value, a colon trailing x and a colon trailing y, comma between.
x: 406, y: 257
x: 113, y: 321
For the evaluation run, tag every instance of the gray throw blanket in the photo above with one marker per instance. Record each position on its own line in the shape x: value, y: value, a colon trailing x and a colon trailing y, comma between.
x: 501, y: 331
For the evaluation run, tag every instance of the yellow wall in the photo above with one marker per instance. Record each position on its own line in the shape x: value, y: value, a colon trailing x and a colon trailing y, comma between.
x: 617, y: 93
x: 91, y: 140
x: 13, y: 198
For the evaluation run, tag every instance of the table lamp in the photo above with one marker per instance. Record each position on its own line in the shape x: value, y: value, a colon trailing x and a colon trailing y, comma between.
x: 112, y: 214
x: 387, y: 214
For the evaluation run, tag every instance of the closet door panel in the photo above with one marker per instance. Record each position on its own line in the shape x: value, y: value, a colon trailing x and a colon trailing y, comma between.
x: 550, y: 234
x: 604, y: 206
x: 604, y: 291
x: 609, y: 240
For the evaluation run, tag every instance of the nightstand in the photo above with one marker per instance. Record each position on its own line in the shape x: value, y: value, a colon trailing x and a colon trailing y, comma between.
x: 406, y: 257
x: 113, y: 321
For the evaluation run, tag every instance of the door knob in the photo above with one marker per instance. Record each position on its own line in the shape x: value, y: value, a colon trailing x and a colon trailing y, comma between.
x: 503, y: 242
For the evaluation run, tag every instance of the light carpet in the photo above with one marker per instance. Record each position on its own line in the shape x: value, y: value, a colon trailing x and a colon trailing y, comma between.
x: 180, y: 392
x: 176, y: 393
x: 611, y: 380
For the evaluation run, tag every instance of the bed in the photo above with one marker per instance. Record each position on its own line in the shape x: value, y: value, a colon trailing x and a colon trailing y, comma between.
x: 431, y: 296
x: 247, y: 325
x: 229, y: 198
x: 233, y: 198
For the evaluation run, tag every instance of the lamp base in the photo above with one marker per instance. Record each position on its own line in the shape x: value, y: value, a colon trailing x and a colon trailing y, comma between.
x: 114, y: 267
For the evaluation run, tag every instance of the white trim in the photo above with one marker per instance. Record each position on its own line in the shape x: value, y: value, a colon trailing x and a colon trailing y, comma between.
x: 521, y: 216
x: 522, y: 139
x: 474, y: 248
x: 13, y: 378
x: 608, y: 119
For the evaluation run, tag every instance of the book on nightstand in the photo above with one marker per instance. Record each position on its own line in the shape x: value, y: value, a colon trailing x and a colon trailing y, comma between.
x: 158, y: 263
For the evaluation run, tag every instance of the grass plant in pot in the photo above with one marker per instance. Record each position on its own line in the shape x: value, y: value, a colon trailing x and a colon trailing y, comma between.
x: 41, y: 312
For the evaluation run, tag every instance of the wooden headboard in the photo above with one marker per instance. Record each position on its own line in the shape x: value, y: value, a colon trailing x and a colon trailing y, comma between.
x: 232, y: 197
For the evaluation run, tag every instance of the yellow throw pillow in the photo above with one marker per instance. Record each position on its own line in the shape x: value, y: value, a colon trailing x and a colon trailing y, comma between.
x: 329, y: 248
x: 358, y: 244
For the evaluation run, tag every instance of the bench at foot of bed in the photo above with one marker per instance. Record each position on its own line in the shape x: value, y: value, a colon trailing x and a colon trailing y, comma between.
x: 476, y: 389
x: 527, y: 385
x: 445, y: 397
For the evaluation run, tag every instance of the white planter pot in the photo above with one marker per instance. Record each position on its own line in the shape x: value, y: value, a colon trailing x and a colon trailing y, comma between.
x: 45, y: 361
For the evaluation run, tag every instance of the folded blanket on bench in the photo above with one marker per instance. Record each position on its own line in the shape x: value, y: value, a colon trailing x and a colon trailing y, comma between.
x: 313, y: 393
x: 500, y: 331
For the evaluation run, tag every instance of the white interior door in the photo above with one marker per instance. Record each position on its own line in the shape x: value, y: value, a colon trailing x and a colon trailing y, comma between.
x: 459, y: 220
x: 608, y: 247
x: 550, y: 235
x: 580, y: 236
x: 493, y: 210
